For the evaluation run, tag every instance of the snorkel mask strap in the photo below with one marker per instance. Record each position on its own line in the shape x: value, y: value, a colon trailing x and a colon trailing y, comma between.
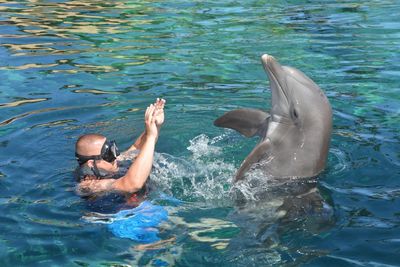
x: 83, y: 159
x: 95, y: 170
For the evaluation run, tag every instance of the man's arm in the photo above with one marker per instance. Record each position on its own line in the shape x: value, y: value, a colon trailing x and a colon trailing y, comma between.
x: 92, y: 186
x: 137, y: 175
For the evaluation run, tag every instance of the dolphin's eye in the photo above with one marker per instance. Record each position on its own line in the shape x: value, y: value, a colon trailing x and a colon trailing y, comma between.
x: 294, y: 114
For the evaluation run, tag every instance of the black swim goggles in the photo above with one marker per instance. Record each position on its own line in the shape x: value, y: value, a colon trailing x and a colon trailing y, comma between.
x: 109, y: 152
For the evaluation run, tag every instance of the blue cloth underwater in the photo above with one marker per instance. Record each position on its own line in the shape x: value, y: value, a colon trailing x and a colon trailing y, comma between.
x: 139, y: 224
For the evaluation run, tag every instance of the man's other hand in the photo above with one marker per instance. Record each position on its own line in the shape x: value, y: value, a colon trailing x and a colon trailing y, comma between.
x: 159, y: 111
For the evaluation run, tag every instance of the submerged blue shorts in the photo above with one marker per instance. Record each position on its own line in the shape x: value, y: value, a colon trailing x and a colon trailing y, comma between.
x: 139, y: 224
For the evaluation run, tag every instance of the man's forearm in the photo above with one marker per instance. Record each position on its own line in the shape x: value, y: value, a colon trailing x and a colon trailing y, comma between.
x: 139, y: 142
x: 141, y: 139
x: 140, y: 170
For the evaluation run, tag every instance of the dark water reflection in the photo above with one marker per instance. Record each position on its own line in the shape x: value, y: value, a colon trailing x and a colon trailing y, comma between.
x: 71, y: 67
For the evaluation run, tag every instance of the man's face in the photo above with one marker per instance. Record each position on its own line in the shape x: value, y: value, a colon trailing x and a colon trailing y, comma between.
x: 95, y: 149
x: 107, y: 166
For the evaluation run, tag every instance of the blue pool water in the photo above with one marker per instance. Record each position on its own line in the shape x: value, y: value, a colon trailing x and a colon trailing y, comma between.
x: 72, y: 67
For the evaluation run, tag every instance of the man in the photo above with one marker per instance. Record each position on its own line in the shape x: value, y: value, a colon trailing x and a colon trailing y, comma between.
x: 98, y: 159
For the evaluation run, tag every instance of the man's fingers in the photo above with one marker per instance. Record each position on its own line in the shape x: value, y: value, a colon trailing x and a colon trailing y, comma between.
x: 157, y: 103
x: 152, y: 110
x: 146, y: 114
x: 149, y: 112
x: 160, y: 103
x: 151, y: 119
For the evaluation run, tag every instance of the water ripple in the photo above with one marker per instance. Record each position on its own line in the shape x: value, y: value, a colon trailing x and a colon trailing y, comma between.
x: 22, y: 102
x: 375, y: 192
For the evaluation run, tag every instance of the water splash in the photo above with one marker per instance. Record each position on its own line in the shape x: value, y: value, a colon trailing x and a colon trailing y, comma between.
x: 251, y: 188
x: 203, y: 176
x: 338, y: 162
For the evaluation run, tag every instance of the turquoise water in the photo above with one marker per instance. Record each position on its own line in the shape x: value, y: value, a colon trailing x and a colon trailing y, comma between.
x: 70, y: 67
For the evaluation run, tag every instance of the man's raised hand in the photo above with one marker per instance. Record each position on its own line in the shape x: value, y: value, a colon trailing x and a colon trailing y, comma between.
x: 150, y: 121
x: 159, y: 111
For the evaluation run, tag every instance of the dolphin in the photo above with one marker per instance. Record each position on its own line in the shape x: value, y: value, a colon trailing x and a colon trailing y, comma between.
x: 295, y: 135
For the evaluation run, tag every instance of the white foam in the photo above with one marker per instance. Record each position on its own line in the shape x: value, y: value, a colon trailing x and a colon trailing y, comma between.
x: 204, y: 175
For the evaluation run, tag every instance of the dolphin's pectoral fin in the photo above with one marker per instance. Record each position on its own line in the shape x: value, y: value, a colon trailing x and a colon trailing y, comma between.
x: 255, y: 156
x: 249, y: 122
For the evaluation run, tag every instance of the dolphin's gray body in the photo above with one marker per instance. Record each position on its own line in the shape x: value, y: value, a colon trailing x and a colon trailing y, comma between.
x: 295, y: 136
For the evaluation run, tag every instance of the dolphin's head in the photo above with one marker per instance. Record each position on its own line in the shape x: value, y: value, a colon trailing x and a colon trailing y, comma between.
x: 295, y: 96
x: 300, y: 113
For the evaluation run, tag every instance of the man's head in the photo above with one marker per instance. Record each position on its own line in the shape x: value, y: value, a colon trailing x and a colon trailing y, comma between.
x: 96, y: 151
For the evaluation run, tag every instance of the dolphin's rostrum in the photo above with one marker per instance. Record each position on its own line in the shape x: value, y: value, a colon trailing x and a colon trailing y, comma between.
x: 295, y: 135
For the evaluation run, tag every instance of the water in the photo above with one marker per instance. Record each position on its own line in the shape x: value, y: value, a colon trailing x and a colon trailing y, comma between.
x: 70, y: 67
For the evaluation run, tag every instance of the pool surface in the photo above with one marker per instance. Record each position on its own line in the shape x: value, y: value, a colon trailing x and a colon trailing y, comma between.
x: 73, y: 67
